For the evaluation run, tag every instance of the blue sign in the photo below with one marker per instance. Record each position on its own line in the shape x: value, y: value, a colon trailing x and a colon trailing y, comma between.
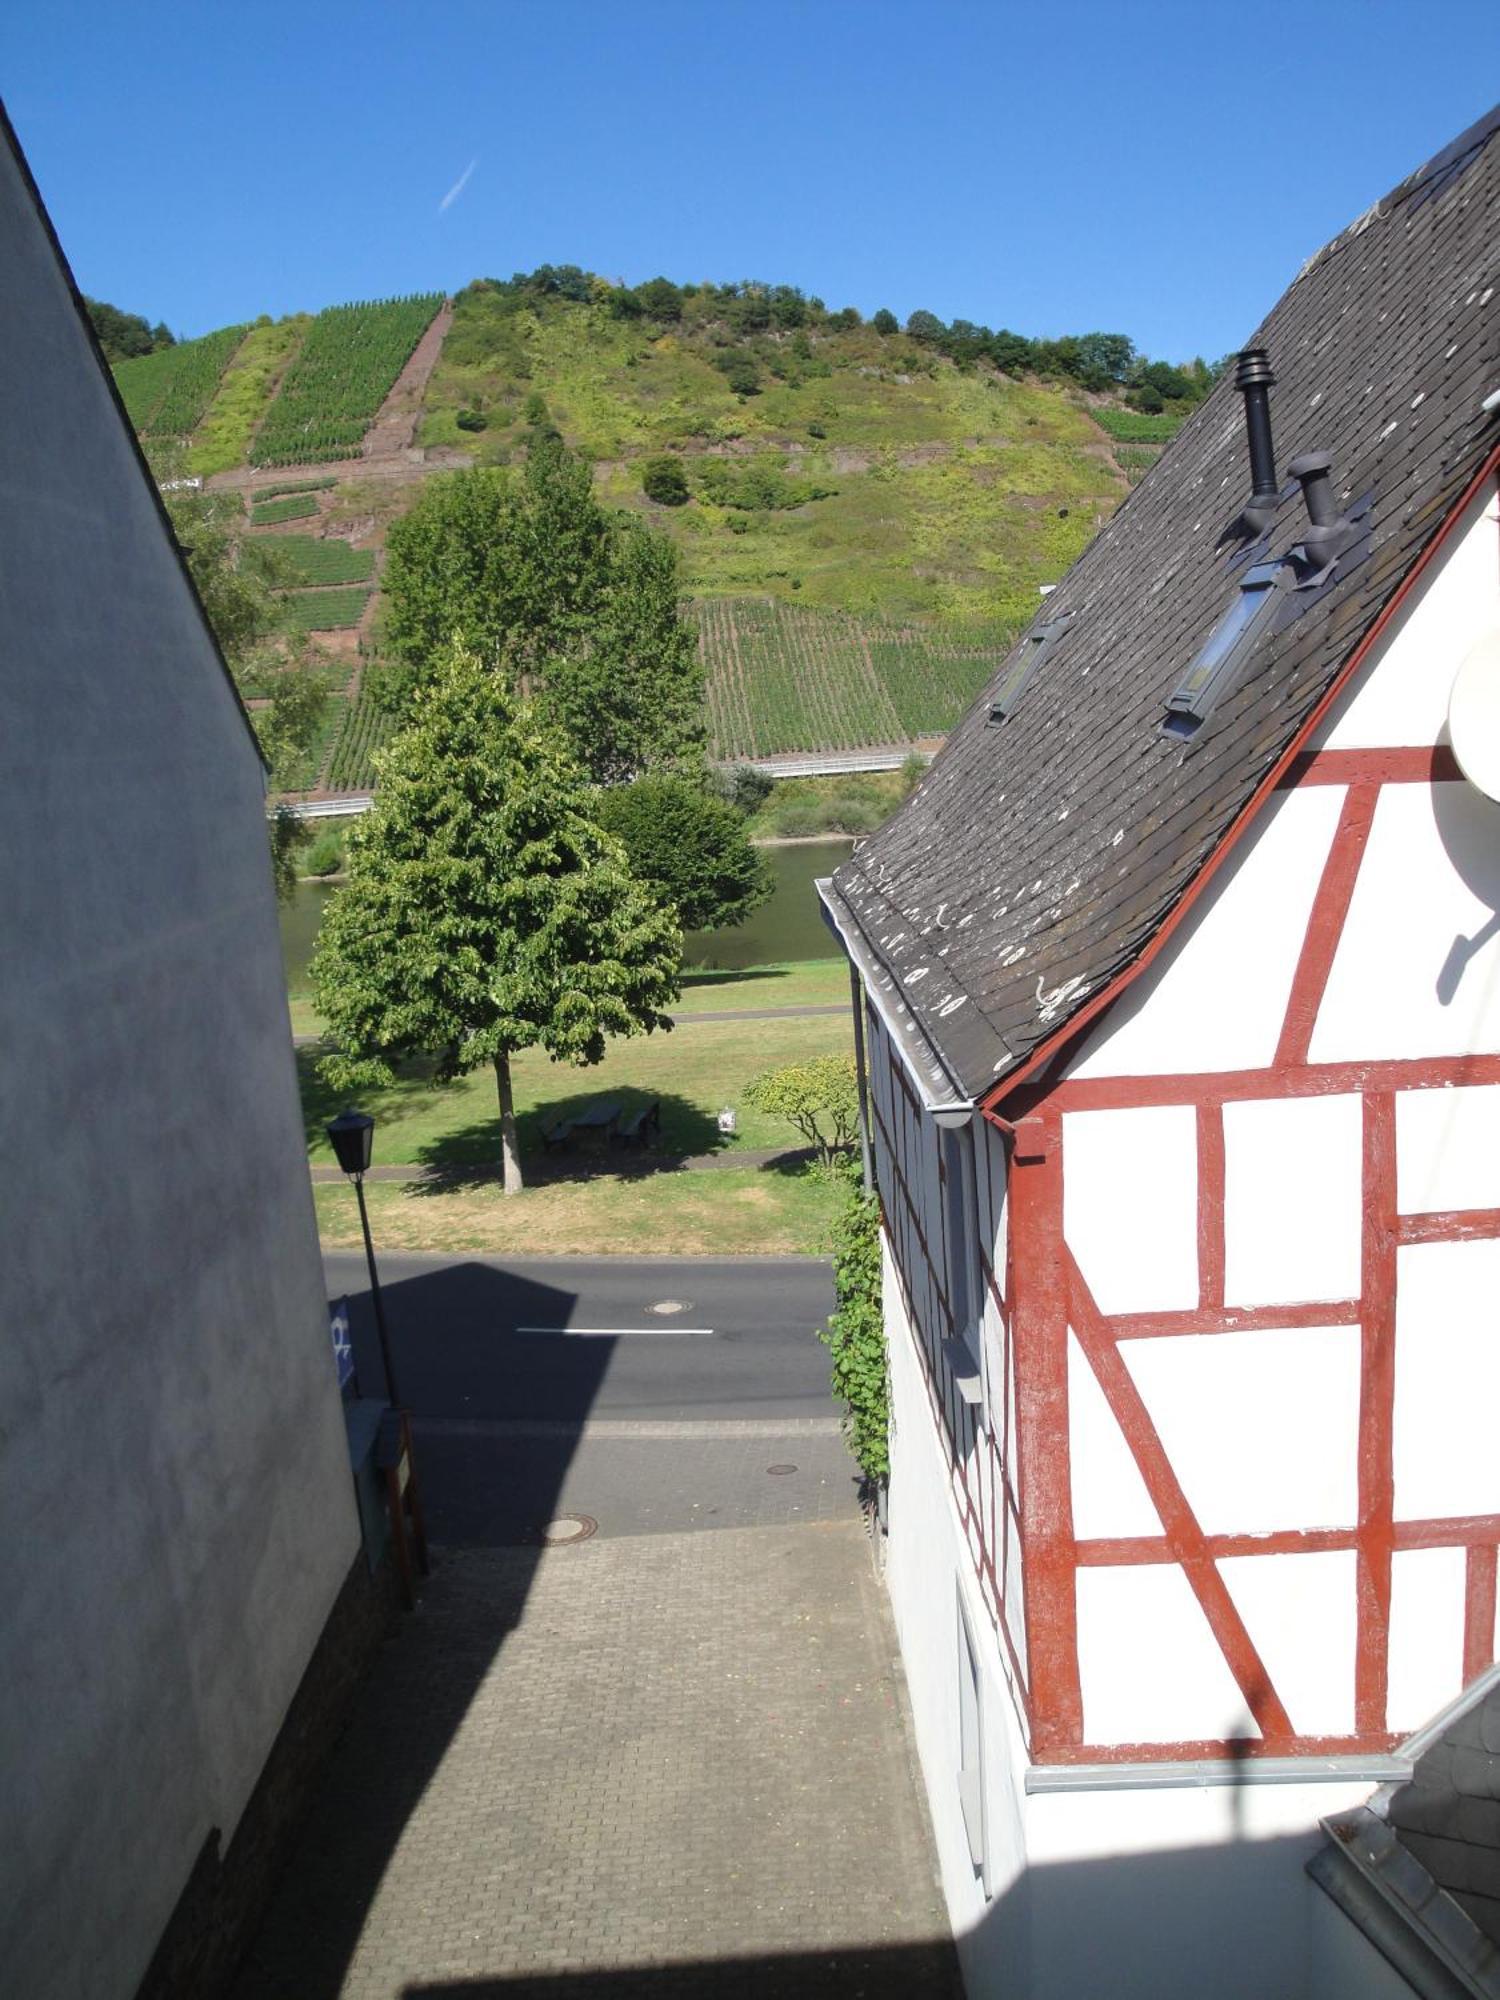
x: 343, y: 1352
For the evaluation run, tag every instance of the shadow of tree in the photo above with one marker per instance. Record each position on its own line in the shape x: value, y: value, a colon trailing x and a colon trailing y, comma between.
x: 474, y: 1149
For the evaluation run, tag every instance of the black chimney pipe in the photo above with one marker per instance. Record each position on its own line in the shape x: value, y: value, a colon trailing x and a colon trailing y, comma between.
x: 1254, y: 380
x: 1330, y: 533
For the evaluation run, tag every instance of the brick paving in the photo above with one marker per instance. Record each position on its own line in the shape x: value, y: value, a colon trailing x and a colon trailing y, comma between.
x: 656, y: 1765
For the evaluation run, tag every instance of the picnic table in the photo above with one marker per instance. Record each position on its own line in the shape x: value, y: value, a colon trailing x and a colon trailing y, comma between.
x: 598, y: 1116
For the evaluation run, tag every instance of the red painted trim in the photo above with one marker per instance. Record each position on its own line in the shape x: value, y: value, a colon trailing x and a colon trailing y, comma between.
x: 1226, y: 1749
x: 1233, y: 1319
x: 1377, y: 1400
x: 1183, y: 1534
x: 1071, y: 1030
x: 1127, y: 1551
x: 1417, y: 764
x: 1449, y: 1225
x: 1133, y: 1093
x: 1039, y: 1330
x: 1325, y: 925
x: 1479, y: 1610
x: 1211, y: 1207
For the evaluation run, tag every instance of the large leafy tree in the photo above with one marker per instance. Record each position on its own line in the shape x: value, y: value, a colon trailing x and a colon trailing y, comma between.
x: 691, y: 845
x: 573, y: 608
x: 486, y: 911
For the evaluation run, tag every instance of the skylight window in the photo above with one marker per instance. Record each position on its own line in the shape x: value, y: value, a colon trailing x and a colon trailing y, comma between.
x: 1034, y: 650
x: 1222, y: 658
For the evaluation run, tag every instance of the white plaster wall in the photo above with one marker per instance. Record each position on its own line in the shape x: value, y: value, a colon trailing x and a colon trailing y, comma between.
x: 1130, y: 1205
x: 1191, y: 1890
x: 1446, y: 1151
x: 1447, y: 1380
x: 1292, y: 1171
x: 1417, y: 970
x: 1403, y: 698
x: 1213, y: 1001
x: 1300, y: 1613
x: 1427, y: 1635
x: 1149, y: 1666
x: 1260, y: 1428
x: 1109, y: 1494
x: 927, y: 1560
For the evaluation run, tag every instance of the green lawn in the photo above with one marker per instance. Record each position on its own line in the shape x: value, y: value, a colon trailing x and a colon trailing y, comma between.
x: 723, y: 1213
x: 691, y: 1072
x: 817, y: 982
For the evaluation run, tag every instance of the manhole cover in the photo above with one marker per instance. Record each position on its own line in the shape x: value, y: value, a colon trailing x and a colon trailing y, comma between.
x: 565, y: 1529
x: 665, y: 1306
x: 779, y: 1471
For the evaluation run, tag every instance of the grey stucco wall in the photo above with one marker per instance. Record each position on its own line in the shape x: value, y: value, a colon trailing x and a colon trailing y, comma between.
x: 174, y: 1485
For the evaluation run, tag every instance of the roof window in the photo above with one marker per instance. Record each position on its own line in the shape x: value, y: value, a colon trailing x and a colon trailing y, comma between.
x: 1034, y: 649
x: 1222, y: 658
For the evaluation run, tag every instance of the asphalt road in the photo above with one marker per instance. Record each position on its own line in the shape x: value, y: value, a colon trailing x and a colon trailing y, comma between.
x: 553, y: 1387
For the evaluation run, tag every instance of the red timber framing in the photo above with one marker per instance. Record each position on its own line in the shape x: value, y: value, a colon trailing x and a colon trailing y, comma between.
x: 1047, y: 1292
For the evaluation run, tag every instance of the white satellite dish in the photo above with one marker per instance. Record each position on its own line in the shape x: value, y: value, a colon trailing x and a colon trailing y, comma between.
x: 1474, y: 716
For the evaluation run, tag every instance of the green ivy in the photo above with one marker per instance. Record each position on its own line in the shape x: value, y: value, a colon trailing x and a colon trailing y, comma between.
x: 855, y: 1335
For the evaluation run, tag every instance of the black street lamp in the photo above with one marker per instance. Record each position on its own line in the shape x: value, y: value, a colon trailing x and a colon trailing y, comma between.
x: 352, y: 1137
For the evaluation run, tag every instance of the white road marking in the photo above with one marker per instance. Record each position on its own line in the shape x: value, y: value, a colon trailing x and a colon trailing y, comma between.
x: 619, y: 1332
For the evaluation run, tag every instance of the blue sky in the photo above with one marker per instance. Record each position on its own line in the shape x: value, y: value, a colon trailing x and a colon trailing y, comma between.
x: 1159, y: 169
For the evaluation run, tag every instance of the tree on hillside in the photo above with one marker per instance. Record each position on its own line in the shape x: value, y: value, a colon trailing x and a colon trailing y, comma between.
x: 571, y: 607
x: 664, y: 481
x: 123, y: 335
x: 237, y: 578
x: 486, y: 911
x: 885, y: 321
x: 691, y: 846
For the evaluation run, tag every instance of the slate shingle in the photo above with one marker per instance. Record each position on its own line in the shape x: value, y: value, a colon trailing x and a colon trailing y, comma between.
x: 1039, y: 856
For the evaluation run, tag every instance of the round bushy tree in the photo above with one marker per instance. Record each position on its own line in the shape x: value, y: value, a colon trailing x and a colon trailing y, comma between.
x: 664, y: 481
x: 691, y: 846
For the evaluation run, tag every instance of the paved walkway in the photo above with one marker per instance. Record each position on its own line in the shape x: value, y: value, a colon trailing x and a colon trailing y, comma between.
x: 663, y: 1766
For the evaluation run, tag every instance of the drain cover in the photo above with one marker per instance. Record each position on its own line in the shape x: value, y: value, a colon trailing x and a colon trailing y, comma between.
x: 778, y: 1471
x: 565, y: 1529
x: 665, y: 1306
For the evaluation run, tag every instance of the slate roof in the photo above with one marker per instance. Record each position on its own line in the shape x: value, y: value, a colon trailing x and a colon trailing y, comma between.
x: 1039, y: 856
x: 1418, y: 1868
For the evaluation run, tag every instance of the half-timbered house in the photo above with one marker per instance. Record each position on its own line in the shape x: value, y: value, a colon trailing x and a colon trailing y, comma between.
x: 1179, y: 987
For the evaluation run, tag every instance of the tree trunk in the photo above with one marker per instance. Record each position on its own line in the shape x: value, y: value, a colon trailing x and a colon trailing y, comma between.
x: 510, y: 1151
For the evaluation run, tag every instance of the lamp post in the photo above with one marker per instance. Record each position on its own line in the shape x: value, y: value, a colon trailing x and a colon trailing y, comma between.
x: 352, y: 1137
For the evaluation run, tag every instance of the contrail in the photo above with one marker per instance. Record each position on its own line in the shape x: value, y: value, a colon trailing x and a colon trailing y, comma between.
x: 458, y: 187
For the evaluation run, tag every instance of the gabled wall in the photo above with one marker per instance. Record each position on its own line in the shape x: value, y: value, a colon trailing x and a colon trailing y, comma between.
x: 1238, y: 1378
x: 176, y: 1500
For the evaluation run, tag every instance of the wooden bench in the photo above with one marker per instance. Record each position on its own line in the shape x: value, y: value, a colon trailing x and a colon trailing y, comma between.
x: 557, y: 1135
x: 641, y: 1128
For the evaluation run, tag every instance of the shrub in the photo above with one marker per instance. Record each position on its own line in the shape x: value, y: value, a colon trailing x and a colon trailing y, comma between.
x: 855, y: 1335
x: 885, y: 322
x: 664, y: 481
x: 325, y: 854
x: 816, y: 431
x: 472, y: 420
x: 820, y: 1098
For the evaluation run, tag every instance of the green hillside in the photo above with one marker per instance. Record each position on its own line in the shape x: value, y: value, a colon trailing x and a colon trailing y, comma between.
x: 864, y: 513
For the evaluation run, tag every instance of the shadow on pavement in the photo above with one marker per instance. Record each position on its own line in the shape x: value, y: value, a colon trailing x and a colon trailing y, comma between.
x: 926, y: 1970
x: 377, y: 1772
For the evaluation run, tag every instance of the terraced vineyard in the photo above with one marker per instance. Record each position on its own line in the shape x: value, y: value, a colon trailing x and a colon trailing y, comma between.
x: 333, y: 391
x: 316, y: 561
x: 324, y: 610
x: 784, y: 678
x: 298, y: 507
x: 363, y: 729
x: 167, y: 393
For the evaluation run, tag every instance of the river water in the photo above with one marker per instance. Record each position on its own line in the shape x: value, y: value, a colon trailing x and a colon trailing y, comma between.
x: 787, y: 928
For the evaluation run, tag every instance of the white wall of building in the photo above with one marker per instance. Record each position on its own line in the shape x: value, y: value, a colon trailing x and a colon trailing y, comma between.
x: 173, y: 1463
